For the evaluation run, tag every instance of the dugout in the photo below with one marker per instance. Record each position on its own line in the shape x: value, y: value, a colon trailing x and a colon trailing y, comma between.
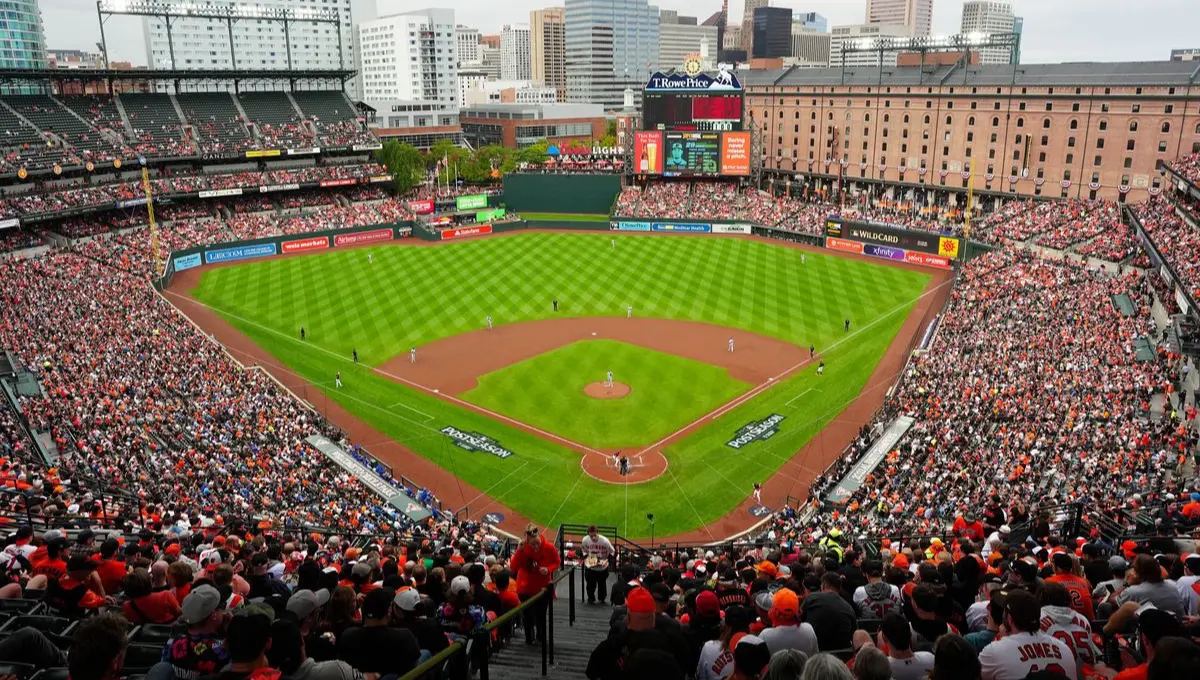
x: 549, y: 193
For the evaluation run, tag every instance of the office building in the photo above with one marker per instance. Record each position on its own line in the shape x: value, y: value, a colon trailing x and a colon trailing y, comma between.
x: 914, y: 15
x: 469, y: 80
x: 520, y: 125
x: 610, y: 45
x: 258, y: 44
x: 490, y: 60
x: 1185, y: 55
x: 747, y: 33
x: 772, y: 33
x: 1018, y: 30
x: 809, y: 47
x: 508, y: 92
x: 24, y: 44
x: 679, y: 37
x: 547, y: 55
x: 812, y: 21
x: 410, y: 57
x: 989, y: 17
x: 855, y: 35
x: 492, y: 41
x: 467, y: 39
x: 514, y: 52
x: 1082, y: 130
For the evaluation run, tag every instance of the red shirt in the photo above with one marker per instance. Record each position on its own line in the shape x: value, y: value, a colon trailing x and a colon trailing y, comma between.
x: 528, y: 563
x: 111, y: 572
x: 160, y: 607
x: 1080, y: 591
x: 1136, y: 673
x: 53, y: 569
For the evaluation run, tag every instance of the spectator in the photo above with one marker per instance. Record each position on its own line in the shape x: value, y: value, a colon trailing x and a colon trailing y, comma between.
x: 287, y: 654
x: 954, y: 659
x: 826, y: 667
x: 200, y: 649
x: 534, y: 562
x: 98, y: 648
x: 995, y: 618
x: 787, y: 664
x: 638, y: 634
x: 408, y: 612
x: 750, y: 658
x: 1026, y: 648
x: 308, y: 607
x: 830, y: 616
x: 1145, y: 585
x: 716, y: 656
x: 786, y: 631
x: 375, y: 647
x: 247, y: 638
x: 145, y: 606
x: 1174, y: 657
x: 896, y: 638
x: 872, y: 664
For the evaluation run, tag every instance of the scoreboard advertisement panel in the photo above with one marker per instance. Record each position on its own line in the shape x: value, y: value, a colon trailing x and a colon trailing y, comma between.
x: 689, y: 154
x: 891, y: 242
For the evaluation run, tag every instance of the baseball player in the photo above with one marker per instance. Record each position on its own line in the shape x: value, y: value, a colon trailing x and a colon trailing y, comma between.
x: 556, y: 305
x: 609, y: 380
x: 629, y: 312
x: 758, y: 493
x: 302, y: 332
x: 847, y: 325
x: 812, y: 351
x: 614, y: 242
x: 731, y: 345
x: 412, y: 355
x: 489, y: 320
x: 802, y: 258
x: 370, y: 258
x: 821, y: 368
x: 355, y: 355
x: 337, y: 380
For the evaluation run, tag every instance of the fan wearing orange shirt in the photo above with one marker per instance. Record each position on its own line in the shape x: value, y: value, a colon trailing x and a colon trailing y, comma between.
x: 1077, y: 586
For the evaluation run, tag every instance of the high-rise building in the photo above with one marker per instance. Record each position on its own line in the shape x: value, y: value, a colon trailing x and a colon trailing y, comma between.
x: 840, y: 35
x: 1018, y: 29
x: 469, y: 80
x: 514, y: 52
x: 410, y: 57
x: 492, y: 41
x: 989, y: 17
x: 258, y: 44
x: 610, y: 45
x: 547, y: 55
x: 747, y: 34
x: 467, y: 39
x: 680, y: 36
x: 24, y: 44
x: 489, y: 60
x: 772, y: 32
x: 810, y: 47
x: 915, y: 15
x: 811, y: 21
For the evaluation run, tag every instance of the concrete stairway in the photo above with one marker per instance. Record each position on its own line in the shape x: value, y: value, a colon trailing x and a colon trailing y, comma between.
x: 573, y: 645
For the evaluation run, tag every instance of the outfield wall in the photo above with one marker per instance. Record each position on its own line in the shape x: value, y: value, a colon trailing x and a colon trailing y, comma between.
x: 234, y: 251
x: 548, y: 193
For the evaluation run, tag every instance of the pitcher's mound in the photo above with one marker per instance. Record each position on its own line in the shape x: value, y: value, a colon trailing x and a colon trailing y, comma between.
x: 598, y: 390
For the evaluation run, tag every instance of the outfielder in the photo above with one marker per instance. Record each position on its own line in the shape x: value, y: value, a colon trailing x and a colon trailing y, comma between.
x: 370, y: 258
x: 412, y: 355
x: 337, y: 380
x: 821, y: 368
x: 802, y: 258
x: 730, y: 345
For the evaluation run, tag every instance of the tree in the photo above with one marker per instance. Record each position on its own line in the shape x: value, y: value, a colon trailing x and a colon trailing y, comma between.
x: 534, y: 153
x: 608, y: 140
x: 404, y: 162
x: 610, y: 128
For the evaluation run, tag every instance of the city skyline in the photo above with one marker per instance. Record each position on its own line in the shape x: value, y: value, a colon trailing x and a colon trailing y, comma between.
x: 1096, y: 36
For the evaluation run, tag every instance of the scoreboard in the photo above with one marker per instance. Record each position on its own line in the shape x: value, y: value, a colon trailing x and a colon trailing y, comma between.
x: 692, y: 111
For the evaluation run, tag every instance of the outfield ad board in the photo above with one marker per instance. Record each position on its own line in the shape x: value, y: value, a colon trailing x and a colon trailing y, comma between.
x: 681, y: 227
x: 489, y: 215
x: 732, y: 229
x: 648, y: 152
x: 887, y: 252
x: 239, y: 253
x: 472, y: 202
x: 184, y: 262
x: 629, y: 226
x: 358, y: 237
x: 420, y: 207
x: 305, y: 244
x: 882, y: 235
x: 462, y: 232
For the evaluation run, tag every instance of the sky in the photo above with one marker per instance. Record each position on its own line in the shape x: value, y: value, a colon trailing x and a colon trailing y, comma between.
x: 1055, y: 30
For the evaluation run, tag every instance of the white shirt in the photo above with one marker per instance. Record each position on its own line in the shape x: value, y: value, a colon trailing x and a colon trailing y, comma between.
x: 1187, y: 592
x: 801, y: 637
x: 1064, y: 623
x: 877, y: 609
x: 715, y: 663
x: 1015, y: 656
x: 600, y: 548
x: 915, y: 668
x: 977, y: 617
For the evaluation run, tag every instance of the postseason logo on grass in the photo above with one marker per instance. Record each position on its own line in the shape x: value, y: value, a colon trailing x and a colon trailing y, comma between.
x: 473, y: 441
x: 756, y: 431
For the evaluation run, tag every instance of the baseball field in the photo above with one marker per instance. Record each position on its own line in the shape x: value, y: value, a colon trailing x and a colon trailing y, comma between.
x: 700, y: 423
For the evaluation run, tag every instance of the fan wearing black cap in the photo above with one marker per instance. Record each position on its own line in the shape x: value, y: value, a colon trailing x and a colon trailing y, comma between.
x: 376, y: 647
x: 75, y: 593
x: 1025, y: 649
x: 247, y: 638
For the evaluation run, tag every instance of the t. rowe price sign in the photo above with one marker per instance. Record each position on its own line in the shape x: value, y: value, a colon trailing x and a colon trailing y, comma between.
x: 843, y: 245
x: 886, y: 252
x: 927, y: 260
x: 461, y: 232
x: 301, y: 245
x: 362, y: 237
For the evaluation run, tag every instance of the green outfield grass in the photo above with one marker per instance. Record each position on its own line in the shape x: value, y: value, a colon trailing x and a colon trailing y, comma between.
x: 667, y: 392
x: 413, y: 295
x: 566, y: 217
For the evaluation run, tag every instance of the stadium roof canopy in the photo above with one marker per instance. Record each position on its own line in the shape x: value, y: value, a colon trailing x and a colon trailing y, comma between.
x: 1078, y: 74
x: 103, y: 74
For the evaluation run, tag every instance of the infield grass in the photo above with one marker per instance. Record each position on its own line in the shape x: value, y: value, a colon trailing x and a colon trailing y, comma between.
x: 411, y: 295
x: 665, y: 392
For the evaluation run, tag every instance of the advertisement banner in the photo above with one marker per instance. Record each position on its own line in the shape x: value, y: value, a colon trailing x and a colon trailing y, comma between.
x: 472, y: 202
x: 489, y: 215
x: 735, y: 153
x: 948, y: 247
x: 692, y: 153
x: 278, y: 187
x: 731, y: 229
x: 239, y: 253
x: 885, y: 252
x: 420, y: 207
x: 338, y: 182
x: 927, y: 260
x: 262, y: 153
x: 461, y: 232
x: 756, y: 431
x: 681, y: 227
x: 301, y: 245
x: 215, y: 193
x: 843, y: 245
x: 367, y: 147
x: 870, y: 460
x: 362, y: 237
x: 131, y: 203
x: 1181, y: 300
x: 10, y: 223
x: 184, y: 262
x: 885, y: 235
x: 376, y: 179
x: 303, y: 152
x: 648, y: 152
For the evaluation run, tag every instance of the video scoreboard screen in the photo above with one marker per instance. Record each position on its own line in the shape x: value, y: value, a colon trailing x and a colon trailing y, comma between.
x: 692, y: 111
x: 691, y: 154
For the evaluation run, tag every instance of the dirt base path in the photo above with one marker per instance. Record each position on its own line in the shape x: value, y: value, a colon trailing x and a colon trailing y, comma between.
x: 792, y: 478
x: 598, y: 390
x: 453, y: 365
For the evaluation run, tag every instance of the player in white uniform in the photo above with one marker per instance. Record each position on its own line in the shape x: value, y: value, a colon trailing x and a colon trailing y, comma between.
x: 412, y: 355
x: 608, y: 380
x: 1026, y: 649
x: 1067, y: 625
x: 877, y: 599
x: 489, y: 320
x: 370, y: 259
x: 629, y: 312
x: 730, y: 345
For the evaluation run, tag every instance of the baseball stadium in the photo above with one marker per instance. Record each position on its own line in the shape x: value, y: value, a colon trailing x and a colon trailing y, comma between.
x: 729, y: 391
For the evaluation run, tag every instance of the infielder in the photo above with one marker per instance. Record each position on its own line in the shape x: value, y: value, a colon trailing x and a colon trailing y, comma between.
x: 730, y: 345
x: 758, y: 493
x: 489, y: 320
x: 412, y: 355
x: 629, y: 312
x: 821, y: 368
x: 609, y: 380
x: 337, y: 380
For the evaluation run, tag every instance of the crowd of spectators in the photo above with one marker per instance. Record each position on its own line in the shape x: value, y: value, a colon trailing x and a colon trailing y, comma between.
x: 18, y: 239
x: 1189, y: 167
x: 572, y: 166
x: 1178, y: 241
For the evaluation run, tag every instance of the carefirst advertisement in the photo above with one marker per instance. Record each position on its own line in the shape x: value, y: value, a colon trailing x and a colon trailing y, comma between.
x: 472, y: 202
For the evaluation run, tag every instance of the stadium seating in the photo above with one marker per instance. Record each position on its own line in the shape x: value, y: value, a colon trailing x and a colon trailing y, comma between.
x: 51, y: 117
x: 157, y: 128
x: 217, y: 126
x: 279, y: 124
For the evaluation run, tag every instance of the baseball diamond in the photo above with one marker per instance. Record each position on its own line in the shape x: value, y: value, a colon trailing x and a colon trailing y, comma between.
x: 520, y: 384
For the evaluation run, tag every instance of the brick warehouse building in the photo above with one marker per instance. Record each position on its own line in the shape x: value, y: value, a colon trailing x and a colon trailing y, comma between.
x: 1083, y: 130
